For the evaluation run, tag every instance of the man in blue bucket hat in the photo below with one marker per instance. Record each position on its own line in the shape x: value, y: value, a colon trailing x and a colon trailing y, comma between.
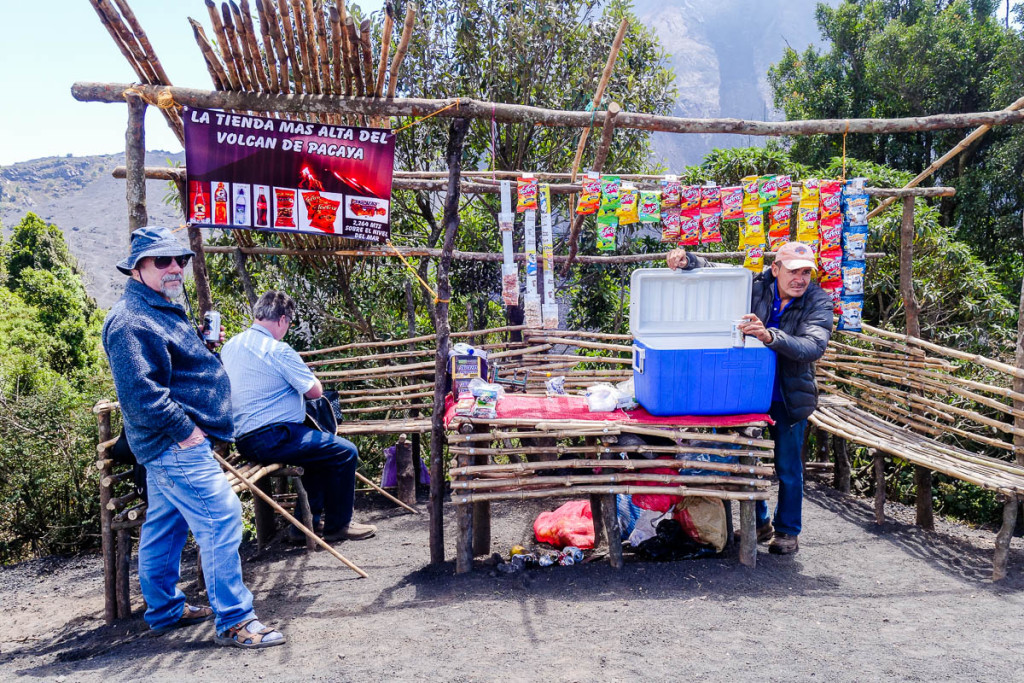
x: 175, y: 398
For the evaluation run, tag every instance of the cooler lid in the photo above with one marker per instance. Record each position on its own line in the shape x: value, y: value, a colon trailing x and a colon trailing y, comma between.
x: 687, y: 302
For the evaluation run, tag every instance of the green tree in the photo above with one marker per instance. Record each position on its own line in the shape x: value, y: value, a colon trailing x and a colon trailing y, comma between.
x: 36, y: 244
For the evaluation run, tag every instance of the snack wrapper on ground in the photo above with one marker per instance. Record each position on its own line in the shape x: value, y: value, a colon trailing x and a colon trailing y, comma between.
x: 649, y: 208
x: 689, y: 227
x: 710, y: 226
x: 528, y: 189
x: 732, y: 203
x: 570, y: 525
x: 670, y: 220
x: 590, y: 197
x: 671, y: 191
x: 768, y: 190
x: 628, y: 211
x: 851, y: 312
x: 754, y: 259
x: 690, y: 197
x: 830, y: 193
x: 610, y: 187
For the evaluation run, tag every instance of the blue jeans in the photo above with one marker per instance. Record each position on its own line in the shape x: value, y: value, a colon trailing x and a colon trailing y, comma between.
x: 789, y: 440
x: 329, y: 463
x: 188, y: 490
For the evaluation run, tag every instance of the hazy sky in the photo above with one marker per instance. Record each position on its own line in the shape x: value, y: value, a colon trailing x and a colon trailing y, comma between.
x: 49, y: 44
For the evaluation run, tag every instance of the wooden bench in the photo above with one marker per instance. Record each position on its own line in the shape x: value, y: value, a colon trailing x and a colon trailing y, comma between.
x: 938, y: 409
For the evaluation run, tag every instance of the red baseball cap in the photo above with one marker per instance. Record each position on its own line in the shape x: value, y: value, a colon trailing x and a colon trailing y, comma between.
x: 796, y: 255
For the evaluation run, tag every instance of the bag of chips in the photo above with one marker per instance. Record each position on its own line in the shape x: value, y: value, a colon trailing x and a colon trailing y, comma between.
x: 690, y: 197
x: 751, y: 198
x: 785, y: 185
x: 325, y: 215
x: 650, y: 207
x: 768, y: 190
x: 831, y: 267
x: 807, y: 223
x: 670, y: 220
x: 851, y: 312
x: 590, y: 196
x: 752, y: 228
x: 527, y: 187
x: 610, y: 186
x: 711, y: 197
x: 855, y: 211
x: 831, y: 233
x: 754, y: 259
x: 628, y: 211
x: 853, y: 276
x: 732, y: 203
x: 606, y: 224
x: 689, y: 227
x: 855, y: 242
x: 830, y: 192
x: 671, y: 191
x: 835, y: 291
x: 809, y: 192
x: 710, y: 226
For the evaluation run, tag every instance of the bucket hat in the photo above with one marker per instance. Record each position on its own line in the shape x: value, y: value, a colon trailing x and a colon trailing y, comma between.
x: 153, y: 240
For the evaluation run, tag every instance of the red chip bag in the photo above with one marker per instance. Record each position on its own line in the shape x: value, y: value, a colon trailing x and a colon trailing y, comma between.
x: 689, y: 228
x: 830, y: 265
x: 710, y: 226
x: 831, y: 232
x: 732, y: 203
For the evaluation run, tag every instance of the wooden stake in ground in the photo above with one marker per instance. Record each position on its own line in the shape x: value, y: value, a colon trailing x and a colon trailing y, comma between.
x: 384, y: 493
x: 287, y: 515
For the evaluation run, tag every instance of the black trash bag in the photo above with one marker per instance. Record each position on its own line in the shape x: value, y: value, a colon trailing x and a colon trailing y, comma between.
x: 122, y: 454
x: 671, y: 543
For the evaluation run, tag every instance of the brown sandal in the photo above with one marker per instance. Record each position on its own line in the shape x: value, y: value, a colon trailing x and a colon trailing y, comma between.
x: 240, y: 636
x: 190, y: 616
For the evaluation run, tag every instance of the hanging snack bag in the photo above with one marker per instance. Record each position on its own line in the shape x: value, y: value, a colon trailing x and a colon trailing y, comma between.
x: 285, y: 208
x: 778, y: 220
x: 689, y: 228
x: 628, y: 211
x: 851, y: 312
x: 751, y: 198
x: 670, y: 220
x: 785, y: 185
x: 807, y: 223
x: 853, y: 276
x: 527, y: 186
x: 855, y: 242
x: 590, y: 196
x: 710, y: 226
x: 856, y: 209
x: 768, y: 190
x: 831, y: 267
x: 650, y: 207
x: 606, y: 224
x: 711, y: 197
x: 831, y: 233
x: 671, y: 191
x: 610, y: 192
x: 835, y: 291
x: 810, y: 192
x: 690, y: 197
x: 752, y: 228
x: 754, y: 259
x: 830, y: 192
x: 732, y: 203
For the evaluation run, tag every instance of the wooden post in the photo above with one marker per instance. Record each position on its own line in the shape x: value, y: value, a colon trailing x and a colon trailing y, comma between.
x: 195, y: 242
x: 878, y: 460
x: 263, y: 516
x: 841, y: 476
x: 922, y: 475
x: 406, y: 474
x: 106, y: 533
x: 456, y: 138
x: 135, y: 162
x: 302, y: 509
x: 805, y: 448
x: 1018, y: 382
x: 410, y: 315
x: 124, y: 555
x: 481, y: 516
x: 1003, y: 538
x: 748, y: 525
x: 821, y: 445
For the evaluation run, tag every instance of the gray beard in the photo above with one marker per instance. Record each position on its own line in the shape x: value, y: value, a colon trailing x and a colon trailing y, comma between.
x: 172, y: 289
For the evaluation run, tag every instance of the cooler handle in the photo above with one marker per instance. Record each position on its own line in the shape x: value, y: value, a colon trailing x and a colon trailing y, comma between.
x: 638, y: 358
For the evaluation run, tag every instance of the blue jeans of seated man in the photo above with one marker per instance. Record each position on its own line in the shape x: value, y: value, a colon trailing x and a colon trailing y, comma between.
x: 329, y: 463
x: 789, y: 440
x: 188, y: 490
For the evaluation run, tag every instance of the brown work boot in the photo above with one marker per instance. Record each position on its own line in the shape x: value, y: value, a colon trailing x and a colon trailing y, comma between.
x: 764, y: 533
x: 783, y: 544
x: 353, y: 532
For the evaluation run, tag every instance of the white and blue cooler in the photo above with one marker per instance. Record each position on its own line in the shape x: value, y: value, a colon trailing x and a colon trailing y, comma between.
x: 684, y: 361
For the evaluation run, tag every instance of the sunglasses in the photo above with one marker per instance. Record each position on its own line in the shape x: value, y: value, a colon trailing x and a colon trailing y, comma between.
x: 164, y: 262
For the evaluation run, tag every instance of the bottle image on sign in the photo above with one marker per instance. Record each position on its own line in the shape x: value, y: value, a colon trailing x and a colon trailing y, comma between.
x: 241, y: 208
x: 199, y: 214
x: 220, y: 205
x: 261, y: 209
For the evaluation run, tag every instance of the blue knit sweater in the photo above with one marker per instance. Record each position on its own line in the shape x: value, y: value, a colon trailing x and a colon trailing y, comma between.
x: 166, y: 379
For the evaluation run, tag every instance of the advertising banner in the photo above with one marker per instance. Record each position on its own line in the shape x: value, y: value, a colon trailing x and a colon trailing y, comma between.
x: 260, y: 173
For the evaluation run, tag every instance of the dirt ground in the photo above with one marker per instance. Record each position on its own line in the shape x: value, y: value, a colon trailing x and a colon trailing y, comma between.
x: 859, y: 602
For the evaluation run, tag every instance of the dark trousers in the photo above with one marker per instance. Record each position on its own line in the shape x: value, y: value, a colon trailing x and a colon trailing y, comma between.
x: 789, y: 440
x: 329, y: 462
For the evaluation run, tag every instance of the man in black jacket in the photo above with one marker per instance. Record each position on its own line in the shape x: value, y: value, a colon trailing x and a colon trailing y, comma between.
x: 791, y: 315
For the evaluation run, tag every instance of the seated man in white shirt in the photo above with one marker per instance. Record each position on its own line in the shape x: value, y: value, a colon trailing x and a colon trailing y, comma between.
x: 269, y: 382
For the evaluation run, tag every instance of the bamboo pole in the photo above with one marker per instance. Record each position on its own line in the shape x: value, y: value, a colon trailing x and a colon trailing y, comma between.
x: 561, y: 491
x: 522, y: 468
x: 403, y: 47
x: 367, y: 56
x: 269, y: 48
x: 385, y: 50
x: 235, y: 49
x: 1018, y: 379
x: 216, y: 70
x: 607, y: 133
x: 384, y: 493
x: 287, y: 515
x: 297, y: 70
x: 515, y: 113
x: 234, y: 80
x: 321, y: 38
x: 244, y: 15
x: 576, y: 479
x: 349, y: 26
x: 338, y: 61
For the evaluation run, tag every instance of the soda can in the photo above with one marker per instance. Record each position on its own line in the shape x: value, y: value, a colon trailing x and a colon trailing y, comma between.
x: 737, y: 336
x: 575, y: 553
x: 211, y: 326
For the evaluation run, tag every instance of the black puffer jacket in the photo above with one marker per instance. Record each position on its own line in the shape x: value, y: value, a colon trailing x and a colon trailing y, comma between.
x: 800, y: 340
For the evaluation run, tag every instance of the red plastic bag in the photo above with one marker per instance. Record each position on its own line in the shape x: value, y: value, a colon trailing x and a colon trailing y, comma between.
x: 571, y: 524
x: 659, y: 502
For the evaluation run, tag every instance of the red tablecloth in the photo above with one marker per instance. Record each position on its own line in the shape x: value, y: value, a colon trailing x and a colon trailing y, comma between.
x: 513, y: 406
